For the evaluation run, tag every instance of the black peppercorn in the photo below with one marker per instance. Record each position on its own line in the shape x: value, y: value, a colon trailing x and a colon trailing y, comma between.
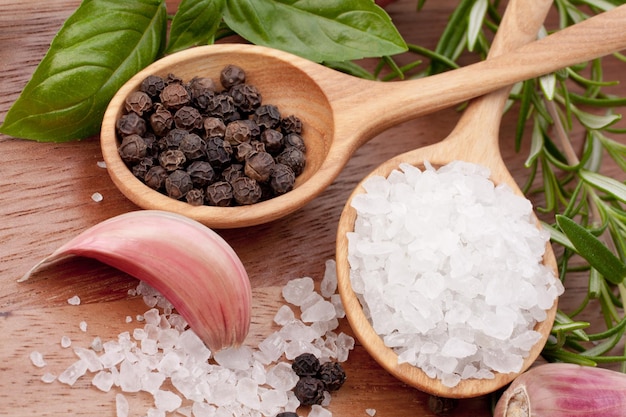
x: 306, y: 364
x: 295, y: 140
x: 174, y: 96
x: 287, y: 414
x: 178, y: 184
x: 161, y: 120
x: 140, y: 169
x: 201, y: 173
x: 232, y: 75
x: 173, y: 79
x: 195, y: 197
x: 155, y: 177
x: 131, y: 124
x: 138, y: 102
x: 243, y: 150
x: 246, y: 97
x: 246, y: 190
x: 221, y: 105
x: 218, y: 152
x: 193, y: 146
x: 132, y: 149
x: 267, y: 116
x: 214, y: 127
x: 188, y: 118
x: 202, y: 89
x: 152, y: 85
x: 294, y: 158
x: 219, y: 194
x: 282, y: 179
x: 173, y: 139
x: 309, y: 390
x: 291, y: 124
x: 172, y: 159
x: 273, y: 141
x: 332, y: 374
x: 237, y: 132
x: 259, y: 166
x: 232, y: 172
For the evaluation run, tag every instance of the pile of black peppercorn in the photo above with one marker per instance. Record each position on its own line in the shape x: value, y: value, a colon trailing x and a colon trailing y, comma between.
x: 196, y: 143
x: 315, y: 378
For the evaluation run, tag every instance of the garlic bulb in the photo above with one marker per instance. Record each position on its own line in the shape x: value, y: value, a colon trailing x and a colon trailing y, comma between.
x: 190, y: 264
x: 564, y: 390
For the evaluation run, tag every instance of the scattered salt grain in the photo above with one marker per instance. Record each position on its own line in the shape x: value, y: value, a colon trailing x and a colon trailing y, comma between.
x: 167, y: 401
x: 121, y: 406
x: 97, y: 197
x: 101, y: 164
x: 437, y: 258
x: 82, y: 326
x: 37, y: 359
x: 129, y: 319
x: 370, y: 412
x: 66, y: 342
x: 319, y: 411
x: 48, y: 378
x: 71, y: 374
x: 74, y: 301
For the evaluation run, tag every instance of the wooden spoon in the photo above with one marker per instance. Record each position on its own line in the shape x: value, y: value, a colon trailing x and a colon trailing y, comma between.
x: 341, y: 112
x: 474, y: 139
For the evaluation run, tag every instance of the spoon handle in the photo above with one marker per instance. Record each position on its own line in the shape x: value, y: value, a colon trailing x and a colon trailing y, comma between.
x: 382, y: 105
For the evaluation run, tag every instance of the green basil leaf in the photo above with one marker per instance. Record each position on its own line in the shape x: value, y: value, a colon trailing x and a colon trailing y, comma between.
x: 315, y: 29
x: 593, y: 250
x: 195, y: 23
x: 99, y: 47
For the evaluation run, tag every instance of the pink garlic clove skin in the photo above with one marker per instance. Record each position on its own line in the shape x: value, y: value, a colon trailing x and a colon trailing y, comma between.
x: 188, y: 263
x: 564, y: 390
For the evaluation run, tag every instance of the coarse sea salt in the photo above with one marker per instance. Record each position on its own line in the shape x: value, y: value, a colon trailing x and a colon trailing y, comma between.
x: 448, y: 268
x: 167, y: 360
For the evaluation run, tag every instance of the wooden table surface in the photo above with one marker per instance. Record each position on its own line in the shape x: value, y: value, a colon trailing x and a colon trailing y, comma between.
x: 45, y: 199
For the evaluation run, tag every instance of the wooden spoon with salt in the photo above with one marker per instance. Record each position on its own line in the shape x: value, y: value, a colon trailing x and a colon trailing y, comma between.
x: 474, y: 139
x: 341, y: 112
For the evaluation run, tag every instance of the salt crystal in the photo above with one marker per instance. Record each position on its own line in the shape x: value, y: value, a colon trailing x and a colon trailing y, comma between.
x: 37, y: 359
x: 166, y: 400
x: 90, y: 358
x: 193, y: 346
x: 322, y: 310
x: 297, y: 290
x: 235, y: 358
x: 48, y: 378
x: 370, y: 412
x: 284, y: 315
x: 129, y: 319
x: 328, y: 287
x: 121, y: 406
x: 74, y: 301
x: 82, y: 326
x: 97, y: 197
x: 103, y: 380
x: 247, y: 393
x: 282, y: 377
x: 319, y: 411
x: 66, y: 342
x: 101, y: 164
x: 71, y: 374
x: 273, y: 347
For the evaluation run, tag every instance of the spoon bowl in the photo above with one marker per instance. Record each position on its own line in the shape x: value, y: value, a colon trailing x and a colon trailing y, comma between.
x: 342, y: 112
x: 474, y: 139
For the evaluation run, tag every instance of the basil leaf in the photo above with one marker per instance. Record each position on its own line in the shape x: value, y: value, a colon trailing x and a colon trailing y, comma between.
x: 195, y: 23
x: 319, y: 30
x: 99, y: 47
x: 593, y: 250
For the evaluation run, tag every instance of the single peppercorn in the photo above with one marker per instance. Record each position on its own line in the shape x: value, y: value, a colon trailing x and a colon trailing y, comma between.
x: 309, y: 390
x: 201, y: 90
x: 201, y: 173
x: 291, y: 124
x: 140, y: 169
x: 246, y: 190
x: 219, y: 152
x: 294, y: 158
x: 138, y: 102
x: 259, y: 166
x: 273, y: 141
x: 306, y: 364
x: 131, y: 124
x: 295, y: 140
x: 219, y: 194
x: 174, y: 96
x: 152, y: 85
x: 193, y: 146
x: 332, y: 374
x: 188, y: 118
x: 232, y: 75
x: 214, y: 127
x: 255, y: 130
x: 195, y: 197
x: 178, y: 184
x: 161, y: 120
x: 221, y: 105
x: 237, y: 132
x: 246, y: 97
x: 155, y: 177
x: 232, y: 172
x: 267, y: 116
x: 132, y: 149
x: 282, y: 179
x: 243, y: 150
x: 172, y: 159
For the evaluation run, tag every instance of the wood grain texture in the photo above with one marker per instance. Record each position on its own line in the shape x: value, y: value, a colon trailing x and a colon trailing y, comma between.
x: 45, y: 199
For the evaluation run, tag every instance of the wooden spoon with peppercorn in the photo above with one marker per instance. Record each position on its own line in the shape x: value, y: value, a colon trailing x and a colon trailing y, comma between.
x: 474, y: 139
x: 325, y: 99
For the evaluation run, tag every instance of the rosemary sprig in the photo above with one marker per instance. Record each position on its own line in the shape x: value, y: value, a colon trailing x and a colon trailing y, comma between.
x: 584, y: 210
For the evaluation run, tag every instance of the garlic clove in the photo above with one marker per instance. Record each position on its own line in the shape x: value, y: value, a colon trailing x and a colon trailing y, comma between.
x: 564, y: 390
x: 188, y: 263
